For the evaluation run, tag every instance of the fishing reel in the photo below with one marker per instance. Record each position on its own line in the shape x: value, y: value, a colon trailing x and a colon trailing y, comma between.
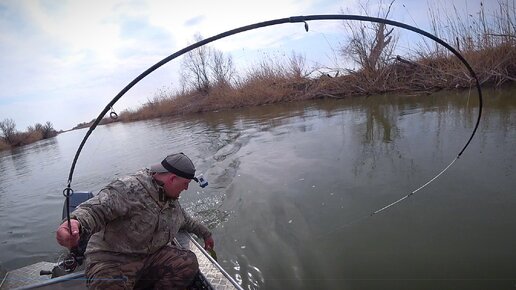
x: 66, y: 264
x: 70, y: 261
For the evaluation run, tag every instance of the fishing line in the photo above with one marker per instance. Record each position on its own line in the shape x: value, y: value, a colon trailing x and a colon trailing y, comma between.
x: 294, y: 19
x: 3, y: 280
x: 418, y: 189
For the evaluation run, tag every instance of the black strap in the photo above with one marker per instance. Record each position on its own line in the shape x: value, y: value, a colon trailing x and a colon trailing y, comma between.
x: 176, y: 171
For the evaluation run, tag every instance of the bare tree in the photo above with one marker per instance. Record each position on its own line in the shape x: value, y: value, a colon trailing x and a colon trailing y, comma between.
x: 45, y: 131
x: 222, y: 68
x: 371, y: 46
x: 8, y: 130
x: 297, y: 66
x: 38, y: 127
x: 48, y: 130
x: 204, y: 67
x: 195, y: 68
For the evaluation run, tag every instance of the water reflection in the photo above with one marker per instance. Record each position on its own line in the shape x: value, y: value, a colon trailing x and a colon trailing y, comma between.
x: 19, y: 161
x: 380, y: 119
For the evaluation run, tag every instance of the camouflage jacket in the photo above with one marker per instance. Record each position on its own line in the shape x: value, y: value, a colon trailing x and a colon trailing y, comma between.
x: 127, y: 217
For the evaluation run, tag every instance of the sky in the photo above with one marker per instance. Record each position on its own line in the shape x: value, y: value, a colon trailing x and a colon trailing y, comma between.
x: 62, y: 61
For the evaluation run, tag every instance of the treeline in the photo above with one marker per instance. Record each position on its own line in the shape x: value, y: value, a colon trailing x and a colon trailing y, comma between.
x: 88, y: 124
x: 10, y: 137
x: 486, y: 40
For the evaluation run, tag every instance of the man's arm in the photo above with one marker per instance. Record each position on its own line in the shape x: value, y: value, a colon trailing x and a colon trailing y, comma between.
x: 193, y: 226
x: 92, y: 215
x: 96, y: 212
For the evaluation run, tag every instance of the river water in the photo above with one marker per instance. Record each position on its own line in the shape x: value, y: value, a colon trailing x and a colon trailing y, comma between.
x: 292, y: 187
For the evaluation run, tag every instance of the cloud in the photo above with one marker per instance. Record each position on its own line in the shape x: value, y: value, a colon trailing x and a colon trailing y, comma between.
x: 64, y: 52
x: 194, y: 20
x: 74, y: 53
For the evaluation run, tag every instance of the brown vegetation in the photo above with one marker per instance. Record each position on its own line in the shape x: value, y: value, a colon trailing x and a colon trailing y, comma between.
x: 10, y: 137
x: 267, y: 82
x: 489, y: 45
x: 209, y: 82
x: 4, y: 145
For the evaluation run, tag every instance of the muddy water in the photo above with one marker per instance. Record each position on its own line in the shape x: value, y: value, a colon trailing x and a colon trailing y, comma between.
x: 292, y: 187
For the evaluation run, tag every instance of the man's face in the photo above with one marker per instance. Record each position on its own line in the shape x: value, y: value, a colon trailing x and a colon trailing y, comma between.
x: 175, y: 185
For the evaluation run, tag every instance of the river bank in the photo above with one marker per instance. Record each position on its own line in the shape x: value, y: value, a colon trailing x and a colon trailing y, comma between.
x: 263, y: 92
x: 487, y: 41
x: 210, y: 81
x: 12, y: 138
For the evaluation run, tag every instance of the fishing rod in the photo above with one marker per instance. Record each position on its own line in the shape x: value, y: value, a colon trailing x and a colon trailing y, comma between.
x: 67, y: 192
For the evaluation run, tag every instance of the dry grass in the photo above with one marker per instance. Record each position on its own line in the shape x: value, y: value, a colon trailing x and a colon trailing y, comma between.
x: 430, y: 72
x: 4, y: 145
x: 268, y: 83
x: 24, y: 138
x: 489, y: 45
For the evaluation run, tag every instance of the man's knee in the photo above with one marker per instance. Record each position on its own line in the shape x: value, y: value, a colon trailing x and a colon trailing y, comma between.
x: 187, y: 266
x: 173, y: 269
x: 107, y: 276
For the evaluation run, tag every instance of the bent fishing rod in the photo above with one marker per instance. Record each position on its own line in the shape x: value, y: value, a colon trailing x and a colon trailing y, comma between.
x: 67, y: 192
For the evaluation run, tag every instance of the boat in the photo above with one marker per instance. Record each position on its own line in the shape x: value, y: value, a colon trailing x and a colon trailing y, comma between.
x: 47, y: 275
x: 38, y: 275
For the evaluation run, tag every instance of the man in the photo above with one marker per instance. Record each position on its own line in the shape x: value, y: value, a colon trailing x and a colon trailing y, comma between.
x: 132, y: 221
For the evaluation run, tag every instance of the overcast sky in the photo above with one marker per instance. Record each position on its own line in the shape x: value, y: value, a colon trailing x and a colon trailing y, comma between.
x: 62, y: 61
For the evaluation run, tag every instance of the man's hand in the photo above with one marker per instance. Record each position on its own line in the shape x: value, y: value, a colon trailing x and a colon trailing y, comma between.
x: 63, y: 234
x: 209, y: 243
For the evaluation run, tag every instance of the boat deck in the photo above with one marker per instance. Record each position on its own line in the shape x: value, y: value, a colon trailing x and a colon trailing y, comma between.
x: 28, y: 275
x: 29, y: 278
